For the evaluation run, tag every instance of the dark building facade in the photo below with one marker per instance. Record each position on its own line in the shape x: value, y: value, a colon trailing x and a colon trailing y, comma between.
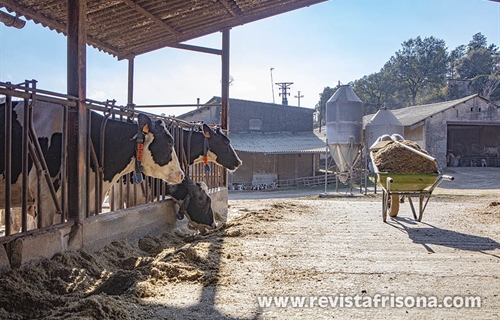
x: 275, y: 142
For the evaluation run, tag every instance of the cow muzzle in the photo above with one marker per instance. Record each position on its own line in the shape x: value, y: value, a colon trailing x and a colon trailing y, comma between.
x: 176, y: 177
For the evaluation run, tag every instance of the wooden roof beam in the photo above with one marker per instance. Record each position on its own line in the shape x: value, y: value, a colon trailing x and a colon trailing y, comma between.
x: 228, y: 8
x: 147, y: 14
x: 52, y: 24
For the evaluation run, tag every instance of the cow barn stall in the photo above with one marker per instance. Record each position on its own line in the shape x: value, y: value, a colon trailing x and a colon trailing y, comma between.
x: 123, y: 29
x: 95, y: 230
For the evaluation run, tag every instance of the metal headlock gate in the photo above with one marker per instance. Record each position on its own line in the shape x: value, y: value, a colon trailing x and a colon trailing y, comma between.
x: 129, y: 194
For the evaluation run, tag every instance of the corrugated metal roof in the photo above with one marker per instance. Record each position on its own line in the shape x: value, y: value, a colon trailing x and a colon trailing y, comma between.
x: 126, y: 28
x: 414, y: 114
x: 285, y: 143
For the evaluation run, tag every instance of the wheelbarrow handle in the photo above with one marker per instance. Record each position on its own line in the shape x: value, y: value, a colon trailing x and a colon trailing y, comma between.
x: 416, y: 151
x: 447, y: 177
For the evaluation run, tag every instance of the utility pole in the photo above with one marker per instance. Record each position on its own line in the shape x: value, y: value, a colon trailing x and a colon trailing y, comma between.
x: 272, y: 86
x: 298, y: 96
x: 284, y: 86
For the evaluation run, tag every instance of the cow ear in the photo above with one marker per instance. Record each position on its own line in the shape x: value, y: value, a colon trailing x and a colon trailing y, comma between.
x: 159, y: 125
x: 207, y: 131
x: 144, y: 123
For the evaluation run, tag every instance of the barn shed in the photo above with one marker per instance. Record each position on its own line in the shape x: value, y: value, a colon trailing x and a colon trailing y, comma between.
x: 275, y: 142
x: 124, y: 29
x: 461, y: 132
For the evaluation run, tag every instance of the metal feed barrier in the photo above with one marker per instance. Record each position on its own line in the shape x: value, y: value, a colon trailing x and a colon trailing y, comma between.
x: 31, y: 150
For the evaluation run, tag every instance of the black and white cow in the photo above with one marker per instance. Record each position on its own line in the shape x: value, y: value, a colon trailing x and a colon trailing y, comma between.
x: 119, y: 158
x: 219, y: 149
x: 194, y: 202
x: 216, y: 145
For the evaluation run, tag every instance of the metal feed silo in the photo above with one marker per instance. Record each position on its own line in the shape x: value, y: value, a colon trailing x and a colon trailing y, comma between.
x: 383, y: 122
x: 344, y: 127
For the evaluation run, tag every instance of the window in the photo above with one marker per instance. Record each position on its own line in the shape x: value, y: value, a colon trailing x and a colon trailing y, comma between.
x: 255, y: 124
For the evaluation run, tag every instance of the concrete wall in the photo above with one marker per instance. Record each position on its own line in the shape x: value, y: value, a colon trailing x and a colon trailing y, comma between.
x: 475, y: 111
x: 96, y: 232
x: 219, y: 199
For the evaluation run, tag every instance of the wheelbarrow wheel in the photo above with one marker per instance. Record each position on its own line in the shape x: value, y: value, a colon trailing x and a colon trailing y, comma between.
x: 393, y: 205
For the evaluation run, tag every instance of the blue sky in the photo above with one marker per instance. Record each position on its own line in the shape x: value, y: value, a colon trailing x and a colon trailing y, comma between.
x: 315, y: 47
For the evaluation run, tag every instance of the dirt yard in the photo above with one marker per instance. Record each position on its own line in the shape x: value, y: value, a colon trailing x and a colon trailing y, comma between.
x: 288, y: 244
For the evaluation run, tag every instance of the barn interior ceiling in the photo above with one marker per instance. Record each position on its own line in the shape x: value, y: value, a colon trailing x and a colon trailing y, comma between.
x: 127, y: 28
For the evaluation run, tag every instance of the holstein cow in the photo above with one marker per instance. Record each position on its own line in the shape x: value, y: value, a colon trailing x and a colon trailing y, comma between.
x: 217, y: 147
x: 118, y: 152
x: 194, y: 202
x: 212, y: 143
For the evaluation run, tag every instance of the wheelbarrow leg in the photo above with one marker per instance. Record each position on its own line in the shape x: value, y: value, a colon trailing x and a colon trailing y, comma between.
x: 423, y: 204
x: 384, y: 204
x: 412, y: 207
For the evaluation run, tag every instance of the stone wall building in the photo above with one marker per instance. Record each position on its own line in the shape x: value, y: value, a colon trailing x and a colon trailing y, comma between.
x: 461, y: 132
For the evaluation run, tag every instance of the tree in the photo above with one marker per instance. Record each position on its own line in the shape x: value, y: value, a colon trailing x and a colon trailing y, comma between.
x: 375, y: 90
x: 418, y: 65
x: 321, y: 105
x: 480, y: 58
x: 486, y: 85
x: 477, y: 62
x: 478, y: 41
x: 455, y: 56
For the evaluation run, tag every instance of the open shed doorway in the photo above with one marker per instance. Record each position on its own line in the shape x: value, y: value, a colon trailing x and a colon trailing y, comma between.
x: 472, y: 145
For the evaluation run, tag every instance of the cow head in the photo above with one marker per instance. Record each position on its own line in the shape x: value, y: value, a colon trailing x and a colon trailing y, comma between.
x: 159, y: 159
x: 220, y: 149
x: 195, y: 203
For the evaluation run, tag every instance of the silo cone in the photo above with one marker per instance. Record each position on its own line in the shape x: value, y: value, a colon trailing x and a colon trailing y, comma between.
x: 344, y: 129
x: 383, y: 122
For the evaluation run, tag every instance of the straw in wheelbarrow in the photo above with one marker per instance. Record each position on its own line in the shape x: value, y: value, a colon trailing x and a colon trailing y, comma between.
x: 396, y: 157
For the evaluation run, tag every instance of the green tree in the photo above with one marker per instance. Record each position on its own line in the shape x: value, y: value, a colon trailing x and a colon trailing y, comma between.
x: 418, y: 65
x: 479, y: 60
x: 486, y: 85
x: 375, y: 90
x: 321, y: 105
x: 478, y: 41
x: 455, y: 56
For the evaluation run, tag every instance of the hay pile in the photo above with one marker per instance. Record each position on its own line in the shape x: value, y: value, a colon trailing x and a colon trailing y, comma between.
x: 397, y: 159
x: 119, y: 281
x: 493, y: 209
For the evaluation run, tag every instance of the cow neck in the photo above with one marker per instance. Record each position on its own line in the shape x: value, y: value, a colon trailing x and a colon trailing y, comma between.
x: 183, y: 206
x: 103, y: 135
x: 187, y: 161
x: 206, y: 148
x: 116, y: 150
x: 139, y: 142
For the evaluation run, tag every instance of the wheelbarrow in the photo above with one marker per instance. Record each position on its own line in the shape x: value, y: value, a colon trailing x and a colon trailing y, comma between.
x: 397, y: 187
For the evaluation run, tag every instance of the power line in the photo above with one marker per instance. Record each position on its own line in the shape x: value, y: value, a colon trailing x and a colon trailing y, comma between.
x: 298, y: 96
x: 284, y: 86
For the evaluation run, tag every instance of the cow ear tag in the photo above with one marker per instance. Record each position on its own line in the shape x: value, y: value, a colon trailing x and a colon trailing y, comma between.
x: 137, y: 177
x: 206, y: 147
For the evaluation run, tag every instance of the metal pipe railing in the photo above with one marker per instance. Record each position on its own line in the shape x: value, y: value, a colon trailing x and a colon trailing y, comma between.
x: 31, y: 149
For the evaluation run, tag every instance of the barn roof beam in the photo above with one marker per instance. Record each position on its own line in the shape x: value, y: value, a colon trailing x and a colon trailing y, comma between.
x: 11, y: 21
x: 148, y: 15
x: 30, y: 14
